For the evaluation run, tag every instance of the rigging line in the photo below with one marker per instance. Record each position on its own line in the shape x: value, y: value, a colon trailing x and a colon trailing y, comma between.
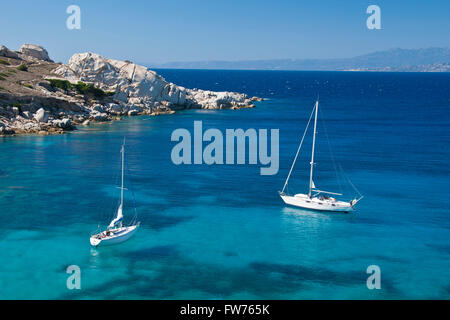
x: 135, y: 211
x: 331, y: 151
x: 351, y: 183
x: 117, y: 183
x: 298, y: 150
x: 134, y: 202
x: 133, y: 221
x: 113, y: 203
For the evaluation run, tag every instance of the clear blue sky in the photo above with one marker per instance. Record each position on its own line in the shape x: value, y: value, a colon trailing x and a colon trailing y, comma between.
x: 187, y: 30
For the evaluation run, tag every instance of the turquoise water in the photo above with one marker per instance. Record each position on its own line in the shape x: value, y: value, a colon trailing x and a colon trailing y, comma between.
x: 221, y: 231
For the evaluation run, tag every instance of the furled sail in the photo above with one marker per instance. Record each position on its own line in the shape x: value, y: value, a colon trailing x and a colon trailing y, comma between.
x: 312, y: 184
x: 118, y: 218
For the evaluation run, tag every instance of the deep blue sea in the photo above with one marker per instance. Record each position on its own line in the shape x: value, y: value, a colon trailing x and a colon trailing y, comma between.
x: 221, y: 231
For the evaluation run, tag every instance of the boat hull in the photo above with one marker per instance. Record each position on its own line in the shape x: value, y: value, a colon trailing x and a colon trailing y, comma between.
x: 304, y: 201
x: 121, y: 235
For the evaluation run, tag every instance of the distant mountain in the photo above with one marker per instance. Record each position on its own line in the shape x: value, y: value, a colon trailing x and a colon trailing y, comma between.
x: 417, y: 60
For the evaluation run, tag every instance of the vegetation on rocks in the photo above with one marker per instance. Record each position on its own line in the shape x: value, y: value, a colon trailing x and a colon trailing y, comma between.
x: 22, y: 67
x: 80, y: 87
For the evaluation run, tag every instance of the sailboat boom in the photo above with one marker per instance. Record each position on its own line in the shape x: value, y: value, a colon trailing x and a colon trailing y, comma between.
x: 327, y: 192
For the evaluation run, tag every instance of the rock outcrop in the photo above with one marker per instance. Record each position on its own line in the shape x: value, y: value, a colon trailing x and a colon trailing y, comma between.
x: 136, y: 85
x: 5, y: 52
x: 34, y: 53
x: 39, y: 96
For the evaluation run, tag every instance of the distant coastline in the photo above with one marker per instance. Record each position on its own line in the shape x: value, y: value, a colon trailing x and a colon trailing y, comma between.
x: 395, y: 60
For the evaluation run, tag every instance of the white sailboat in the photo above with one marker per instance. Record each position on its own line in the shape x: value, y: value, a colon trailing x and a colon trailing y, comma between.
x: 315, y: 199
x: 116, y: 232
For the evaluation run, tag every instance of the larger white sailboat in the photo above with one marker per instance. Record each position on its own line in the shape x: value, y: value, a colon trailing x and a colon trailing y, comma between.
x: 116, y: 232
x: 315, y: 199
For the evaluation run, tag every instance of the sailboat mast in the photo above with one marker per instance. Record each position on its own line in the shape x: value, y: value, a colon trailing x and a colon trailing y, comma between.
x: 312, y: 153
x: 121, y: 189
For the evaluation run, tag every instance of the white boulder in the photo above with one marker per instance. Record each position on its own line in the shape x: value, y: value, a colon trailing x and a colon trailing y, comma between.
x: 219, y: 100
x: 15, y: 110
x: 63, y: 123
x: 41, y: 115
x: 99, y: 116
x: 34, y: 52
x: 27, y: 114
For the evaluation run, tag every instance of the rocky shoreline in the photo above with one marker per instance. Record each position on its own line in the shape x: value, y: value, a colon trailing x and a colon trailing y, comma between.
x: 38, y: 96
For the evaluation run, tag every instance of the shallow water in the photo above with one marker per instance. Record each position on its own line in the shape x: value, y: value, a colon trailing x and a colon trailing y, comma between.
x: 221, y: 231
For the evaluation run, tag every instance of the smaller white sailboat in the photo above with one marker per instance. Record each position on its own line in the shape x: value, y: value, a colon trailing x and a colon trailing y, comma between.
x: 116, y: 232
x: 315, y: 199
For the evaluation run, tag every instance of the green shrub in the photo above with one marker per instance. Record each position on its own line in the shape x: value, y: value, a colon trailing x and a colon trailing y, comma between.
x: 61, y: 84
x: 2, y: 74
x: 4, y: 62
x: 28, y: 85
x: 1, y: 88
x: 80, y: 87
x: 84, y: 88
x: 17, y: 104
x: 1, y: 78
x: 12, y: 71
x: 22, y: 67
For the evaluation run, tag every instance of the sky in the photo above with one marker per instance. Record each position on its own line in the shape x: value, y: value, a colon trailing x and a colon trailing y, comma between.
x: 155, y: 31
